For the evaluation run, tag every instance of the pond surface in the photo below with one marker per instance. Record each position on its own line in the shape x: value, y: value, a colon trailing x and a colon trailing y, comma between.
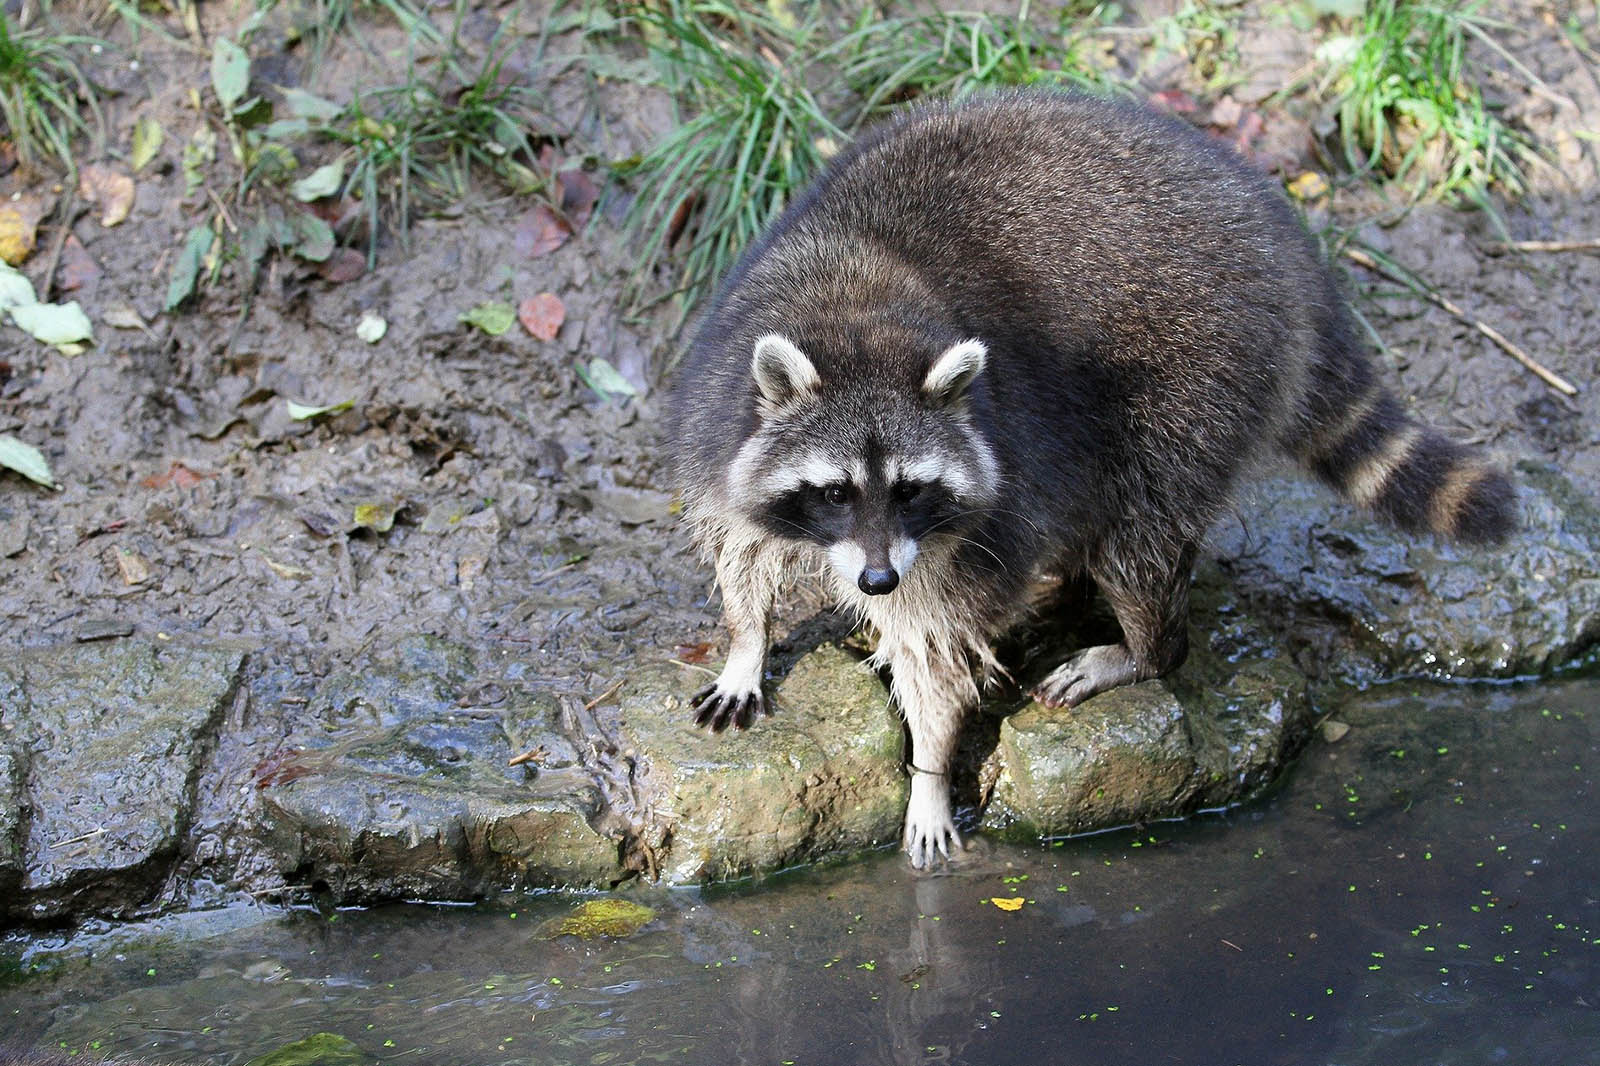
x: 1421, y: 891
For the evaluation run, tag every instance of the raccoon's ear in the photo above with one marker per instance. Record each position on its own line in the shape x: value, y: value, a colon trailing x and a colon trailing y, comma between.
x: 782, y: 371
x: 952, y: 373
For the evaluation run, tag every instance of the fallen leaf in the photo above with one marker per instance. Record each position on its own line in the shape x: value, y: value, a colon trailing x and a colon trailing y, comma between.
x: 542, y: 315
x: 324, y: 181
x: 594, y: 918
x: 135, y: 570
x: 312, y: 237
x: 122, y: 317
x: 1014, y: 903
x: 26, y: 460
x: 177, y: 474
x: 300, y: 412
x: 18, y: 236
x: 78, y: 267
x: 492, y: 316
x: 147, y: 138
x: 1308, y: 186
x: 15, y: 289
x: 297, y: 573
x: 58, y: 324
x: 372, y: 327
x: 199, y: 153
x: 230, y: 72
x: 538, y: 233
x: 579, y: 194
x: 692, y: 653
x: 603, y: 378
x: 186, y: 270
x: 310, y: 106
x: 111, y: 189
x: 1175, y: 100
x: 345, y: 264
x: 377, y: 516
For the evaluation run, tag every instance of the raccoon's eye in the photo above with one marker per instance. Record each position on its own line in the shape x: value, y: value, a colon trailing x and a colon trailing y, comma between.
x: 837, y: 495
x: 906, y: 491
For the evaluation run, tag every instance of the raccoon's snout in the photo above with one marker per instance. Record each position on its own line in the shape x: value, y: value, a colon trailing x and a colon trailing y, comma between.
x: 875, y: 582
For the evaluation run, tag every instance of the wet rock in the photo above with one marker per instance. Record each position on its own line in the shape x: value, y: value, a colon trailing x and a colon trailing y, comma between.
x: 1210, y: 735
x: 1417, y: 604
x: 820, y: 776
x: 405, y: 793
x: 112, y: 737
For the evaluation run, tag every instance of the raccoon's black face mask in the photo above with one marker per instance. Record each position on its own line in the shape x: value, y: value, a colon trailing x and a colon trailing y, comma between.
x: 862, y: 469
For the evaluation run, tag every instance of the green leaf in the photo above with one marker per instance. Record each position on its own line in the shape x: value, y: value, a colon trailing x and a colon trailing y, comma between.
x: 230, y: 72
x: 57, y: 324
x: 313, y: 238
x: 186, y: 271
x: 15, y: 289
x: 603, y: 378
x: 310, y: 106
x: 493, y: 317
x: 300, y: 412
x: 26, y: 460
x: 324, y: 181
x: 147, y: 138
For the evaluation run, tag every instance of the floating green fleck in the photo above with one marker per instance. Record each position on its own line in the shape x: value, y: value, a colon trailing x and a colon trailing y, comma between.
x: 598, y: 917
x: 493, y: 317
x: 26, y: 460
x: 318, y: 1049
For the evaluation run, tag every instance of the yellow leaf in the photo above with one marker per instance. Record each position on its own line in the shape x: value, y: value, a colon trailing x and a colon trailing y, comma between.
x: 1308, y: 186
x: 16, y: 236
x: 1013, y: 904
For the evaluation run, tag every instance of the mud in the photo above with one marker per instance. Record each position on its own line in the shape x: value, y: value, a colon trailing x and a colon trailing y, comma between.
x: 531, y: 515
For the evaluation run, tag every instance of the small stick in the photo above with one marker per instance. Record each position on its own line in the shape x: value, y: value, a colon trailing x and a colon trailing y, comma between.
x: 1232, y: 945
x: 1547, y: 246
x: 1549, y: 377
x: 68, y: 215
x: 536, y: 752
x: 598, y: 700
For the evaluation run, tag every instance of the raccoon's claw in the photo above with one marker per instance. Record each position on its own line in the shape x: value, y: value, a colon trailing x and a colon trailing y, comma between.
x: 718, y: 709
x: 1086, y: 673
x: 930, y: 827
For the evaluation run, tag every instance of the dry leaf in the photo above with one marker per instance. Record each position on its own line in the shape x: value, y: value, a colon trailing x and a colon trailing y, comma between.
x: 78, y: 267
x: 19, y: 228
x: 346, y: 264
x: 538, y: 233
x: 177, y: 474
x: 135, y: 571
x: 1014, y: 903
x: 579, y: 193
x: 111, y: 189
x: 692, y: 653
x: 542, y: 315
x: 1175, y: 100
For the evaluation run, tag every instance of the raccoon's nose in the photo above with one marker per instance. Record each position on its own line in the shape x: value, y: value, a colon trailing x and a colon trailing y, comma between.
x: 875, y: 582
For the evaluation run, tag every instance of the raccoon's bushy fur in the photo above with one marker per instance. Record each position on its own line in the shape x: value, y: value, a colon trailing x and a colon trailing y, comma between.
x: 1029, y: 332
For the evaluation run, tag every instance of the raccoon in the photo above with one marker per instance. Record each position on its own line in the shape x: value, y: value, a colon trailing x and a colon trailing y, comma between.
x: 1028, y: 333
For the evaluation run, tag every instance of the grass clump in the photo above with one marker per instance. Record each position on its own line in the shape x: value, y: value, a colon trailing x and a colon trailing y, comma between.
x: 757, y: 130
x: 1409, y: 108
x: 41, y: 87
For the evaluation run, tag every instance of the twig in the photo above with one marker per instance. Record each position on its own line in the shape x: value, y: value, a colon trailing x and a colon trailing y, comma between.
x: 1546, y: 246
x: 538, y: 751
x: 1549, y: 377
x: 68, y: 215
x: 78, y: 839
x: 1232, y: 945
x: 598, y: 700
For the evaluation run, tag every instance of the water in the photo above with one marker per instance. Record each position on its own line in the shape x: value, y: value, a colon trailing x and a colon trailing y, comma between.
x: 1421, y: 891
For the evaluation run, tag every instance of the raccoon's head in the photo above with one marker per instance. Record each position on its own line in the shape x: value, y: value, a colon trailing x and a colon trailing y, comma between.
x: 868, y: 467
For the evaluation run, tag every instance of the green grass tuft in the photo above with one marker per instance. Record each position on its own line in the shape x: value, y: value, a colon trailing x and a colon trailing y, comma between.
x: 1409, y: 108
x: 44, y: 94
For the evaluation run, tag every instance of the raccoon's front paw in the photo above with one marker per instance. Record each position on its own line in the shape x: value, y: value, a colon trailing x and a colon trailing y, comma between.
x: 719, y: 707
x: 1086, y: 673
x: 930, y: 827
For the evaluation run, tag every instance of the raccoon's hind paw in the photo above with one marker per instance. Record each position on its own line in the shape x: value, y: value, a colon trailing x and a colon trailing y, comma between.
x: 718, y: 709
x: 1086, y: 673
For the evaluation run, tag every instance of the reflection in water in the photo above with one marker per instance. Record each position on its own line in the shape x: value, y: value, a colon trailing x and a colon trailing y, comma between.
x: 1422, y: 891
